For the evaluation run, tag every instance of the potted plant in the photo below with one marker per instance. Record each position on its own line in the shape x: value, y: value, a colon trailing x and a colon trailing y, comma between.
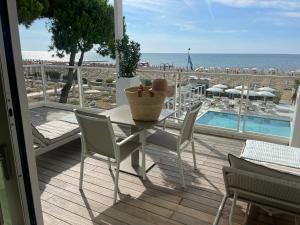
x: 128, y: 55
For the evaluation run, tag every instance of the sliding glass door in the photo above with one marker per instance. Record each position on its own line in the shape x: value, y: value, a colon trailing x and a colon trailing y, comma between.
x: 19, y: 190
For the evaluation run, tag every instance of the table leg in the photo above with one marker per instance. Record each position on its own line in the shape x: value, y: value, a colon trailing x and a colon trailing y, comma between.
x: 133, y: 164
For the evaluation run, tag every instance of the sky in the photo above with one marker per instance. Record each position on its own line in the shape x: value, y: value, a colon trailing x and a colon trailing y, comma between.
x: 205, y: 26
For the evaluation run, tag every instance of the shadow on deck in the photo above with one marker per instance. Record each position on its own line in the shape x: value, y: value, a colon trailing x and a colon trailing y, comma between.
x: 159, y: 200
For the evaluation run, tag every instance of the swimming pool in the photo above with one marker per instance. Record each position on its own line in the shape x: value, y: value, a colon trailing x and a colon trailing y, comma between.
x: 254, y: 124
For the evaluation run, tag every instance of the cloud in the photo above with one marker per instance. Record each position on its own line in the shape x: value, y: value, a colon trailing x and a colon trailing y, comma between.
x: 208, y: 3
x: 147, y: 5
x: 291, y: 14
x: 282, y: 4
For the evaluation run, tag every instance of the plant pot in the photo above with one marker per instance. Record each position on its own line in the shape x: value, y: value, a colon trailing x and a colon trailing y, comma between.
x: 145, y: 105
x: 121, y: 84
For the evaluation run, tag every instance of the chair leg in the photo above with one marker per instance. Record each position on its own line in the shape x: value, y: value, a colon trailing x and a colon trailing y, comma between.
x: 109, y: 163
x: 216, y: 221
x: 181, y: 171
x: 81, y: 171
x: 142, y: 137
x: 232, y: 209
x: 116, y: 182
x: 296, y: 220
x: 194, y: 154
x: 247, y: 213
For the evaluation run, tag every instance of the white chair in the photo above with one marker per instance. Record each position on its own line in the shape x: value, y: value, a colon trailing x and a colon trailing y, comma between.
x: 98, y: 140
x: 178, y: 142
x: 266, y: 175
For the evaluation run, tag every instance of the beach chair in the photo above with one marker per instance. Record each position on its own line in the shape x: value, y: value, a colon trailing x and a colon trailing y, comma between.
x: 266, y: 175
x: 178, y: 142
x: 52, y: 134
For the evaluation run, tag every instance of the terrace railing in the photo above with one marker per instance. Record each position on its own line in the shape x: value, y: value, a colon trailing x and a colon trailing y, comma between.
x: 247, y: 113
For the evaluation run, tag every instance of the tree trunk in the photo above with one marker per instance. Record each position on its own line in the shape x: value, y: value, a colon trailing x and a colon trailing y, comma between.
x: 65, y: 90
x: 81, y: 58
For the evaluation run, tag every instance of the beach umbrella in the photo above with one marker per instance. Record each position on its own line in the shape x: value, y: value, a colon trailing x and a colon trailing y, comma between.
x: 221, y: 86
x: 90, y: 92
x: 267, y: 89
x: 233, y: 91
x: 241, y: 87
x: 205, y: 78
x: 214, y: 90
x: 193, y: 77
x: 251, y: 93
x: 265, y: 94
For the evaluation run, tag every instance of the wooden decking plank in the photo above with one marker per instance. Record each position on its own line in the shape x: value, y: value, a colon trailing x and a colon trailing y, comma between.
x: 159, y: 200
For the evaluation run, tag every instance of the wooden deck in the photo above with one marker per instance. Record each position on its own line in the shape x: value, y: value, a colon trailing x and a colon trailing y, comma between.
x: 159, y: 200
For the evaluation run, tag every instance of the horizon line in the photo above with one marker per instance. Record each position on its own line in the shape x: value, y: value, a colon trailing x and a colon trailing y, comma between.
x: 220, y: 53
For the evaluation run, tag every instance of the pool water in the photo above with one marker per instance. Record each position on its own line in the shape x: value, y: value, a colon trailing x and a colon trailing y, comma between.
x: 254, y: 124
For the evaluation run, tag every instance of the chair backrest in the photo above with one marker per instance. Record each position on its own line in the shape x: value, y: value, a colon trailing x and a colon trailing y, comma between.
x: 97, y: 133
x: 187, y: 128
x: 262, y: 185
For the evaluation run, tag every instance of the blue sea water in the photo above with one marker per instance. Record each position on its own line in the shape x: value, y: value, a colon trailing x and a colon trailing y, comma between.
x: 283, y: 62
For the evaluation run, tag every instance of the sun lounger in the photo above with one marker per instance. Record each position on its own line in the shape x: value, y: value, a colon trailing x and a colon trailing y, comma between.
x: 53, y: 134
x: 266, y: 175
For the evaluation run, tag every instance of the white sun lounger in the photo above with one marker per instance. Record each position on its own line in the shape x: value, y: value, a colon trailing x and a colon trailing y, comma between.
x: 53, y: 134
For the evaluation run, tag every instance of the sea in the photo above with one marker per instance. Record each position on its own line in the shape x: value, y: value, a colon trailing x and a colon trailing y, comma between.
x: 282, y: 62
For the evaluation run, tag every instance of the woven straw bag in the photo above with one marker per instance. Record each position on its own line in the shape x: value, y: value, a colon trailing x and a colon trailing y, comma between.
x: 145, y: 105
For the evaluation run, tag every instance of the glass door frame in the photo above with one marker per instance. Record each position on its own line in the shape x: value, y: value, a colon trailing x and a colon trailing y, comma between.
x: 21, y: 143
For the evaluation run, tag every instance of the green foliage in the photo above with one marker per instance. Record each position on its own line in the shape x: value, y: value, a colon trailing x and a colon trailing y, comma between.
x: 109, y: 80
x: 78, y: 25
x: 35, y: 75
x: 296, y: 85
x: 129, y: 56
x: 53, y: 75
x: 84, y: 81
x: 29, y: 10
x: 277, y: 97
x: 146, y: 82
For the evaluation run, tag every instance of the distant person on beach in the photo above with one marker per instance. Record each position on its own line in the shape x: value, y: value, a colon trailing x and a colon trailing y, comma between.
x: 293, y: 98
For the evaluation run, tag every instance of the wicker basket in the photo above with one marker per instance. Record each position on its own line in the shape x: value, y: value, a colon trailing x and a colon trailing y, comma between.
x: 145, y: 106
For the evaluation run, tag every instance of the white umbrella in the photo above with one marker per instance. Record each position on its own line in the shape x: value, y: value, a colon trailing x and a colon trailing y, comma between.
x: 92, y: 92
x: 265, y: 94
x: 193, y: 77
x: 215, y: 90
x: 241, y: 87
x: 233, y: 91
x: 268, y: 89
x: 251, y: 93
x: 205, y: 78
x: 221, y: 86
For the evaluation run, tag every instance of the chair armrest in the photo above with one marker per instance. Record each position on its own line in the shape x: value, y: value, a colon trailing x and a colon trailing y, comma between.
x: 177, y: 135
x: 130, y: 137
x: 172, y: 117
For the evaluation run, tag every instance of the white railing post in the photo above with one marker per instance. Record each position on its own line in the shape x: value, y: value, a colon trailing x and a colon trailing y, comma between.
x: 80, y: 88
x: 179, y: 95
x: 175, y: 93
x: 246, y: 109
x: 241, y: 103
x: 44, y: 82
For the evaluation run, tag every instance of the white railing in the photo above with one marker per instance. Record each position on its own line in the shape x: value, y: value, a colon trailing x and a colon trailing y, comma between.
x: 95, y: 87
